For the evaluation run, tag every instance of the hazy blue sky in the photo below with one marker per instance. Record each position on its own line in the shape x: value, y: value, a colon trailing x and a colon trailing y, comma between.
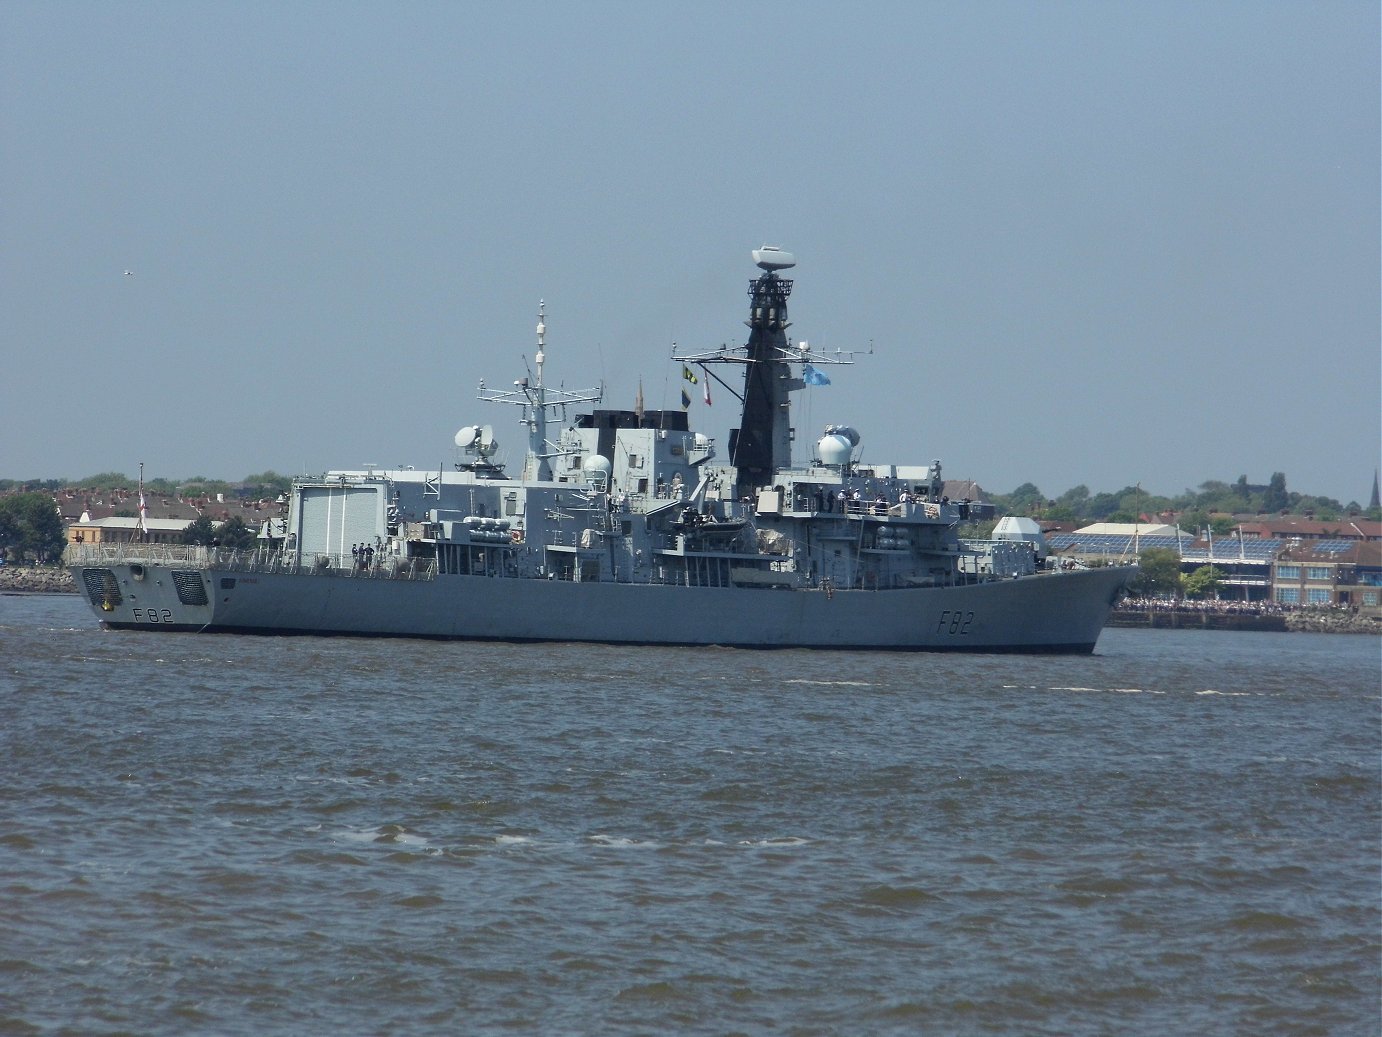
x: 1092, y: 243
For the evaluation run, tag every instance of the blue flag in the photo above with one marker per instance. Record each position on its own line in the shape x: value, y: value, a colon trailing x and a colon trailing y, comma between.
x: 813, y: 377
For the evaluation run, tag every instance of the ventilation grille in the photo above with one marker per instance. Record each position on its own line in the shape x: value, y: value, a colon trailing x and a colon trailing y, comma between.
x: 191, y: 589
x: 101, y: 588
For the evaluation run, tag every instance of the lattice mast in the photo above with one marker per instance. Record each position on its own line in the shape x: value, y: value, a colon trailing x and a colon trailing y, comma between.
x: 763, y: 442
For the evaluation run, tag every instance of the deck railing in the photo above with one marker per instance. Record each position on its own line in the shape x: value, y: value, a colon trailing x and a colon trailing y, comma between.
x: 225, y: 559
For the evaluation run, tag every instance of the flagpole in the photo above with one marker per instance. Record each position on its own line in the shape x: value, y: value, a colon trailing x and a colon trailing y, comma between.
x: 143, y: 508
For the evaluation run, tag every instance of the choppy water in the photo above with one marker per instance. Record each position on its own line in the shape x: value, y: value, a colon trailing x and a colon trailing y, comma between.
x: 238, y: 835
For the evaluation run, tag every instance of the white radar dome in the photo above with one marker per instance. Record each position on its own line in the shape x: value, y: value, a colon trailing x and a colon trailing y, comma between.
x: 596, y: 470
x: 834, y: 449
x: 843, y: 430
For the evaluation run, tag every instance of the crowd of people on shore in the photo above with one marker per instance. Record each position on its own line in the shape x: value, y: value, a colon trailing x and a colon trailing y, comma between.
x: 1239, y: 608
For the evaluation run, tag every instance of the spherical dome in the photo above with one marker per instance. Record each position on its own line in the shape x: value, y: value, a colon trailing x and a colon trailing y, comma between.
x: 834, y: 449
x: 596, y: 470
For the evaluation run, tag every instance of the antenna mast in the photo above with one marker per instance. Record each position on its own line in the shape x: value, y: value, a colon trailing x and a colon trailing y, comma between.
x: 535, y: 399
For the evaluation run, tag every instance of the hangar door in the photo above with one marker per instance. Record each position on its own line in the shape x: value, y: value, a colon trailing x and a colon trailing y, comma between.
x: 334, y: 518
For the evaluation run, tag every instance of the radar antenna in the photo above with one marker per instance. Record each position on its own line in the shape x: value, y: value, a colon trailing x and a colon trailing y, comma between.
x: 536, y: 399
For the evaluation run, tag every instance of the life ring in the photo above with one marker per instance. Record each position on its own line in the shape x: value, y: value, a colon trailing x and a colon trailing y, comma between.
x: 516, y: 536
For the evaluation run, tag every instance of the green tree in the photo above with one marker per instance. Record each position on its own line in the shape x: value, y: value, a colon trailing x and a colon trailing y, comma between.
x: 1070, y: 506
x: 30, y: 527
x: 1275, y: 498
x: 1204, y: 582
x: 201, y: 486
x: 1102, y: 506
x: 231, y: 533
x: 267, y: 484
x: 1222, y: 525
x: 1158, y: 573
x: 1025, y: 499
x: 202, y: 531
x: 1194, y: 521
x: 976, y: 530
x: 234, y: 533
x: 105, y: 480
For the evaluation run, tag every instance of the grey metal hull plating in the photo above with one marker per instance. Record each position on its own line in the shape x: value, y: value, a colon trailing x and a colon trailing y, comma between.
x: 1054, y: 612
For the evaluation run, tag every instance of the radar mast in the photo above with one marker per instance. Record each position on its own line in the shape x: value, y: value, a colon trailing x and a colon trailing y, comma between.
x: 762, y: 444
x: 535, y: 398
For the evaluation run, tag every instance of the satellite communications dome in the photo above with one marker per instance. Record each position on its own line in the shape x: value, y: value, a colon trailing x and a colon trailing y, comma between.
x: 596, y: 470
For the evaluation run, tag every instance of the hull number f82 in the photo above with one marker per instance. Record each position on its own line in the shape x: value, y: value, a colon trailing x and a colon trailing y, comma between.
x: 956, y: 622
x: 153, y: 615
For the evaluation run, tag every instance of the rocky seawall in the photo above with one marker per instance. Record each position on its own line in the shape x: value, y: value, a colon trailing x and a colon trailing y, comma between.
x: 36, y: 579
x: 1332, y: 622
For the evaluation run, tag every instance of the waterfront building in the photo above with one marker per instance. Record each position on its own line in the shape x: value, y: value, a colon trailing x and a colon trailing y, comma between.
x: 1329, y: 572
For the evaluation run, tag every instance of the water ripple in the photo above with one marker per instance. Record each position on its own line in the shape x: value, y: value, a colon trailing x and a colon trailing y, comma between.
x: 246, y: 835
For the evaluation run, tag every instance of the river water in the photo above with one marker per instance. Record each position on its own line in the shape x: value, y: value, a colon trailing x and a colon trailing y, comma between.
x: 243, y: 835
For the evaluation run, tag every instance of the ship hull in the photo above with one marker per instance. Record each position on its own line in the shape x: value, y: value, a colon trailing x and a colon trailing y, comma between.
x: 1055, y: 612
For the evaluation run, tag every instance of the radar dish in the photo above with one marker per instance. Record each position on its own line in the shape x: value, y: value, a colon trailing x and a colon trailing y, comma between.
x: 486, y: 445
x: 466, y: 436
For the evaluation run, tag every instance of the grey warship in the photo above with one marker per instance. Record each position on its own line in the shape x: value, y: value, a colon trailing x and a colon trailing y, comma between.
x: 627, y: 527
